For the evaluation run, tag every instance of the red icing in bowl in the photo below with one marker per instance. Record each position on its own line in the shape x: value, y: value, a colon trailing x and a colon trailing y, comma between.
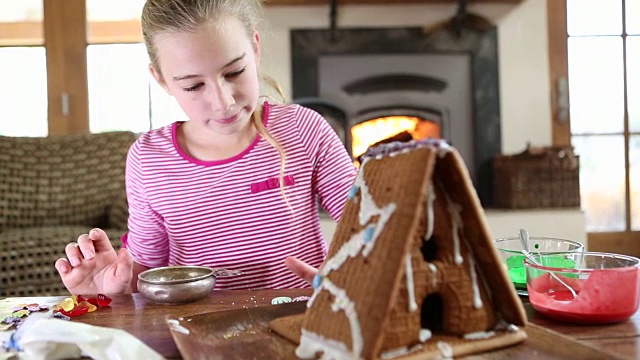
x: 607, y: 296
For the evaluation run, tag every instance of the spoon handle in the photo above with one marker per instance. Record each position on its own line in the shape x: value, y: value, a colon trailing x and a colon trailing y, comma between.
x: 533, y: 260
x: 524, y: 238
x: 226, y: 272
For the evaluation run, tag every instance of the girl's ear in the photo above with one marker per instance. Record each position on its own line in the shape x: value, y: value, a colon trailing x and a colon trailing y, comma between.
x: 159, y: 78
x: 256, y: 46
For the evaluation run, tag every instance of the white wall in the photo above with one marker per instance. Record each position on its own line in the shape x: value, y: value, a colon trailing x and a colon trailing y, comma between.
x: 522, y: 41
x: 559, y: 223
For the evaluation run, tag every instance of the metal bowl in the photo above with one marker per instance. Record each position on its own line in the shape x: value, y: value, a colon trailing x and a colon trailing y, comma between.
x: 176, y: 284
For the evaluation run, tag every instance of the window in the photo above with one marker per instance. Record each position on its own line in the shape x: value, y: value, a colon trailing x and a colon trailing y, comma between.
x: 49, y: 87
x: 23, y: 99
x: 122, y: 93
x: 603, y: 43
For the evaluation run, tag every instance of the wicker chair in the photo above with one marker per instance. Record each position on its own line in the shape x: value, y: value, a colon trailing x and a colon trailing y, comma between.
x: 52, y: 190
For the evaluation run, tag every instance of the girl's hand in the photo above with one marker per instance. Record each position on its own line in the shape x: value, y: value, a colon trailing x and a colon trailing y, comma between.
x: 301, y: 269
x: 92, y: 266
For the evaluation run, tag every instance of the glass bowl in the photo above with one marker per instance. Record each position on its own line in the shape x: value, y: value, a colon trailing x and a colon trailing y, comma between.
x: 510, y: 250
x: 607, y: 286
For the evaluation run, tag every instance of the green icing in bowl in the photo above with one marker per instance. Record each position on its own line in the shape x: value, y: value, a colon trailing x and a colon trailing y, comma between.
x: 518, y: 273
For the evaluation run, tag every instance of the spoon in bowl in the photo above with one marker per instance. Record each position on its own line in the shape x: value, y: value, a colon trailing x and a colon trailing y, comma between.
x: 524, y: 239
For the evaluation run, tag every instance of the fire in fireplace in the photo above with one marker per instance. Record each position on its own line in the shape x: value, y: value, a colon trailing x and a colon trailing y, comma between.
x: 370, y: 123
x: 373, y: 84
x: 379, y: 129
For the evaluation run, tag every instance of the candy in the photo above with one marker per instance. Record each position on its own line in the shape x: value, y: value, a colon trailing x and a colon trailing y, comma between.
x: 61, y: 316
x: 75, y: 311
x: 89, y: 305
x: 12, y: 320
x: 33, y: 307
x: 67, y: 304
x: 78, y: 305
x: 103, y: 300
x: 280, y: 300
x: 20, y: 313
x: 100, y: 300
x: 75, y: 305
x: 18, y: 307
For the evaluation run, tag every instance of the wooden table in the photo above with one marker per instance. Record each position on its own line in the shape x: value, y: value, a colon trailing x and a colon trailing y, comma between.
x: 620, y: 339
x: 146, y: 321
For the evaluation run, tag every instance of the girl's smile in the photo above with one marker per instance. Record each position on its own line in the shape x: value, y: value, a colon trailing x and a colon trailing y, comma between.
x: 228, y: 120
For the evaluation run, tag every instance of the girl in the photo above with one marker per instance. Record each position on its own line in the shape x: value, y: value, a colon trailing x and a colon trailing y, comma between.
x: 238, y: 185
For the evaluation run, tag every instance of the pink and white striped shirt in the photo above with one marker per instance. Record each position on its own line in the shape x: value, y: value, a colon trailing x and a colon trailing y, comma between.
x: 231, y: 213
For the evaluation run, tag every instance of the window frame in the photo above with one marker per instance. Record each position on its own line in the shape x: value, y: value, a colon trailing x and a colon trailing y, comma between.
x: 63, y: 33
x: 623, y: 242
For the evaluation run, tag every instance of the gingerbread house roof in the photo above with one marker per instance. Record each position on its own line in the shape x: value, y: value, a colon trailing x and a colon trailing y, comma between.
x: 411, y: 270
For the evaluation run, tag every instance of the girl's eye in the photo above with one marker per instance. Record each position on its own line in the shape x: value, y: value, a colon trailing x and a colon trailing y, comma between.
x: 194, y: 87
x: 235, y: 74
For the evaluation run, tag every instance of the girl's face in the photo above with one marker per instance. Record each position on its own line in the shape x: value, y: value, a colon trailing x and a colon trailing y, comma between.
x: 212, y: 73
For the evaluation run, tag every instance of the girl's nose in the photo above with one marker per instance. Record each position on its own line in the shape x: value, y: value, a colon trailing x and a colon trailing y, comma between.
x: 221, y: 98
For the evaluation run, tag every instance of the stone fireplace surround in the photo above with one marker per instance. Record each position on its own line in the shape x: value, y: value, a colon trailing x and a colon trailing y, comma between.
x: 478, y: 139
x: 524, y: 99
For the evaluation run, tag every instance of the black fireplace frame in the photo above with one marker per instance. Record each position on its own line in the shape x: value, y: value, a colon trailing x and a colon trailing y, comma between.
x: 308, y: 45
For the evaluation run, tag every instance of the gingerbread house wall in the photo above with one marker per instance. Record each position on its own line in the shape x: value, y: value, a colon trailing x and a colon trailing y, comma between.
x: 353, y: 282
x: 451, y: 175
x: 436, y: 273
x: 370, y: 286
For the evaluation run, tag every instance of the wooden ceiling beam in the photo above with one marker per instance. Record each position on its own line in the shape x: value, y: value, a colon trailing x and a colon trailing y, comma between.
x: 381, y: 2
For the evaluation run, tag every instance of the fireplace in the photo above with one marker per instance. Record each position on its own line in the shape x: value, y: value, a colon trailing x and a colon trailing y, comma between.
x: 374, y: 83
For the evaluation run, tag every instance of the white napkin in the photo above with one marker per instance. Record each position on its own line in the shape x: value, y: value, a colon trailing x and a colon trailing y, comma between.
x: 52, y: 339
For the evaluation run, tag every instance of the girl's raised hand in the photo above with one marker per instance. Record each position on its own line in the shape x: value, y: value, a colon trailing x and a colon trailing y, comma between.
x: 93, y: 266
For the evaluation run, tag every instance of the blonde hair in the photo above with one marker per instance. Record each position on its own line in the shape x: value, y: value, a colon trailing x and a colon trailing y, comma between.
x: 173, y: 16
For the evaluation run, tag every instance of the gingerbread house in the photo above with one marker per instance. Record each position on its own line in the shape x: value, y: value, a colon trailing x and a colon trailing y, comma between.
x: 411, y: 271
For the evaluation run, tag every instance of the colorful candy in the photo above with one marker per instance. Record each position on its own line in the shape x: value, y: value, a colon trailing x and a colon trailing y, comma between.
x: 73, y: 306
x: 77, y: 305
x: 19, y: 313
x: 280, y: 300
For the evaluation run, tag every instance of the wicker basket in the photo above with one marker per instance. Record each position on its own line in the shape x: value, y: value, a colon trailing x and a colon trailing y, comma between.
x: 537, y: 178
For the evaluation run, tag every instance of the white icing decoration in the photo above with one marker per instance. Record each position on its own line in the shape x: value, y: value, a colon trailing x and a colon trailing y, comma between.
x: 424, y: 335
x: 413, y: 306
x: 341, y: 302
x: 434, y: 270
x: 477, y: 300
x: 431, y: 197
x: 444, y: 149
x: 368, y: 209
x: 331, y: 349
x: 479, y: 335
x: 445, y: 349
x: 456, y: 224
x: 175, y: 325
x: 505, y: 326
